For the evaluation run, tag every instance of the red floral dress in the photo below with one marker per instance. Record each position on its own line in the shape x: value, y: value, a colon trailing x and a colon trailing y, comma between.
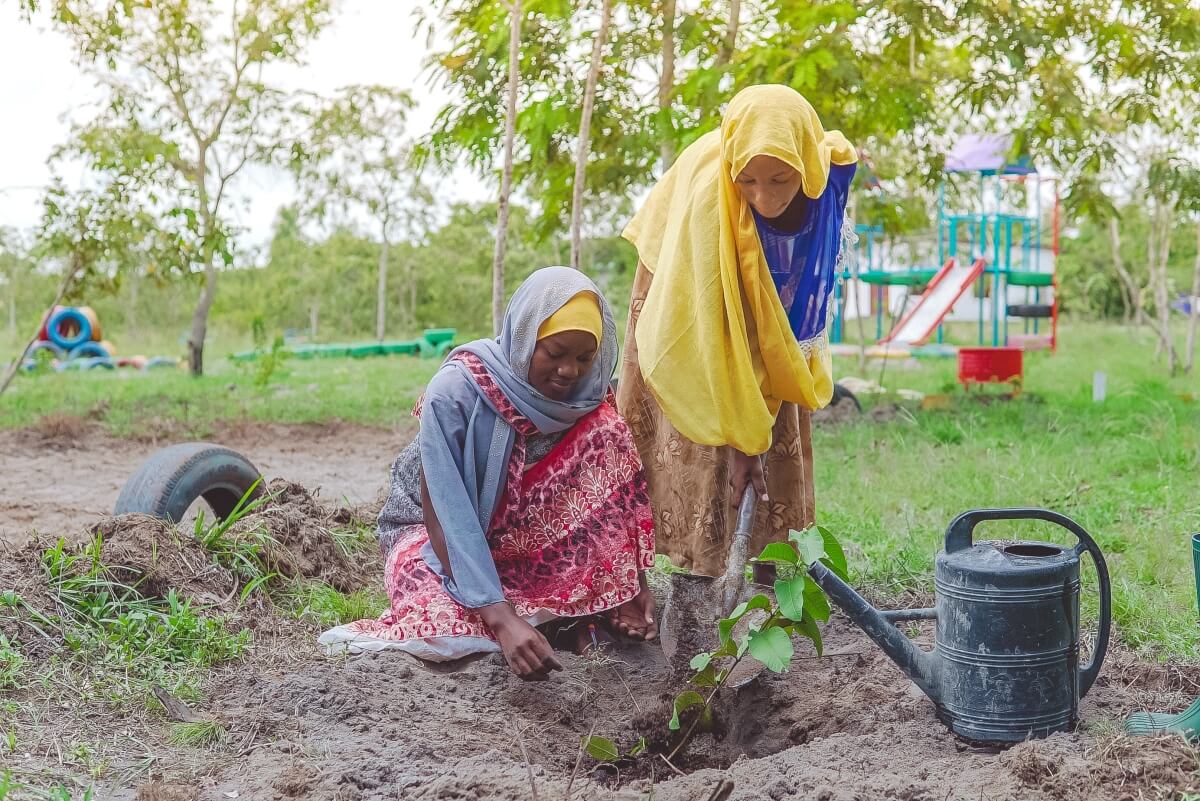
x: 568, y: 539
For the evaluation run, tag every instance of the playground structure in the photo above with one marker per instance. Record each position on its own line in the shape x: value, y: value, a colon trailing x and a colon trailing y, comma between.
x: 997, y: 248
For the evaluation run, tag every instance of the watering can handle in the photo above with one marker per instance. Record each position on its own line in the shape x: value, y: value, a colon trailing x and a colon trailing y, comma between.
x: 959, y: 536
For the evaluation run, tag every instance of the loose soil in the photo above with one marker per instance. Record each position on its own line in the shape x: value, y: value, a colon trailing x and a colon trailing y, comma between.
x: 845, y: 726
x: 64, y: 474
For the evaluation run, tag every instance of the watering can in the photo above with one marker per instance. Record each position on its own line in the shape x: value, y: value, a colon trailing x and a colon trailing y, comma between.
x: 1005, y: 666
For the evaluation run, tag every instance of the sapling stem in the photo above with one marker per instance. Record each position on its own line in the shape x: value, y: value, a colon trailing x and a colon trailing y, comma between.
x: 725, y: 674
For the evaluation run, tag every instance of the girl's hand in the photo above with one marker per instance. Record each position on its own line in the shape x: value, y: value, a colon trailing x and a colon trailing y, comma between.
x: 635, y: 618
x: 743, y: 469
x: 526, y: 649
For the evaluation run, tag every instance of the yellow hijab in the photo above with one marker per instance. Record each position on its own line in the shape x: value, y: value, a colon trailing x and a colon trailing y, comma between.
x: 714, y: 343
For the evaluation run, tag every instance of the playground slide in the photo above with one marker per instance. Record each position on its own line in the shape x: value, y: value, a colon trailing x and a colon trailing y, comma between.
x: 943, y: 292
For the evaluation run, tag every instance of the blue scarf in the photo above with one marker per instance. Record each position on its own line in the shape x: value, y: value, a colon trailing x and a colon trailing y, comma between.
x: 802, y: 263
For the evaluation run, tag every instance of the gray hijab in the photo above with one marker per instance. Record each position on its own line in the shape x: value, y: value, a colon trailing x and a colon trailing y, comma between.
x: 465, y: 444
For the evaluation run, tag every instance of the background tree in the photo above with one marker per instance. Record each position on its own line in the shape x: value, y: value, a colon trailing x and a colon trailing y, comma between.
x: 585, y: 131
x: 356, y: 162
x: 186, y: 109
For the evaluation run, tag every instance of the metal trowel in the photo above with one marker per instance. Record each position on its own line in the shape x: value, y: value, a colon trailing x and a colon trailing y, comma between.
x: 694, y: 604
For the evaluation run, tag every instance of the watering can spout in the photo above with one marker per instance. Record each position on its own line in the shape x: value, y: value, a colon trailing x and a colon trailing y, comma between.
x: 920, y: 666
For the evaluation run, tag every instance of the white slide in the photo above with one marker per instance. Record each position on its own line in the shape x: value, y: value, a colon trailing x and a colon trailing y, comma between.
x: 943, y: 292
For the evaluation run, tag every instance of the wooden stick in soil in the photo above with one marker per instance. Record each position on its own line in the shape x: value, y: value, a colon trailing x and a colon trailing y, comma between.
x: 76, y: 264
x: 528, y: 766
x: 722, y: 791
x: 578, y: 760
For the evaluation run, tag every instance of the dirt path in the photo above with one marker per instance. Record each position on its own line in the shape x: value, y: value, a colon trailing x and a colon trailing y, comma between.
x: 64, y: 475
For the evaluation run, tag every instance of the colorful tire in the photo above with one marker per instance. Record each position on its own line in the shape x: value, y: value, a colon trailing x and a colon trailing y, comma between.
x: 94, y: 319
x: 98, y: 362
x: 43, y: 333
x: 89, y: 350
x: 160, y: 361
x: 172, y: 479
x: 69, y: 328
x: 362, y: 351
x: 108, y: 346
x: 43, y: 345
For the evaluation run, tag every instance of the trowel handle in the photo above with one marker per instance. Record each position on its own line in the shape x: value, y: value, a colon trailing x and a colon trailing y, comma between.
x: 745, y: 518
x: 960, y: 534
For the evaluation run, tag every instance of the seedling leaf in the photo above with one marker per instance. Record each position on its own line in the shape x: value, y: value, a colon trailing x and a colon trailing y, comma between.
x: 810, y: 545
x: 815, y: 602
x: 835, y: 557
x: 601, y: 748
x: 808, y: 628
x: 789, y: 594
x: 779, y: 552
x: 700, y: 661
x: 685, y: 700
x: 772, y: 647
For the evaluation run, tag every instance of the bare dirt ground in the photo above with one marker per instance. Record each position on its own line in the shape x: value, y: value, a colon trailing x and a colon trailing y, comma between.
x: 846, y: 726
x: 66, y: 473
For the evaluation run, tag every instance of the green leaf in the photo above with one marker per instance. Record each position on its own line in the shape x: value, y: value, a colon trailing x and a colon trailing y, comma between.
x: 772, y: 647
x: 700, y: 661
x: 815, y: 603
x: 810, y: 544
x: 685, y: 700
x: 706, y: 678
x: 808, y: 628
x: 789, y: 593
x: 601, y: 748
x: 641, y: 746
x: 779, y: 553
x: 835, y: 557
x: 725, y: 626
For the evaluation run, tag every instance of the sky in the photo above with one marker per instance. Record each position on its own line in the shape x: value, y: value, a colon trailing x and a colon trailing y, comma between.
x: 370, y: 41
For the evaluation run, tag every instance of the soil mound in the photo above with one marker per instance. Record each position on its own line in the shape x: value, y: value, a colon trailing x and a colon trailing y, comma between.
x: 154, y: 558
x: 300, y: 536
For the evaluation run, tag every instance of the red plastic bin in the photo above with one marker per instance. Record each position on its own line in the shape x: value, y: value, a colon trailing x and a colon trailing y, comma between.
x: 990, y: 366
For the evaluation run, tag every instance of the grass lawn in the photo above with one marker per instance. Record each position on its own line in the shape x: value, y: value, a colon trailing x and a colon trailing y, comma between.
x: 1127, y: 469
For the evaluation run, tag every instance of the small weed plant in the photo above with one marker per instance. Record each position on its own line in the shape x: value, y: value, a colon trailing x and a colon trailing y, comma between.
x: 798, y: 606
x: 12, y: 666
x: 245, y: 555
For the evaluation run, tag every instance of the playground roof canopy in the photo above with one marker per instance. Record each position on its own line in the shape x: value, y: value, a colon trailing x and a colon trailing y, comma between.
x: 986, y: 154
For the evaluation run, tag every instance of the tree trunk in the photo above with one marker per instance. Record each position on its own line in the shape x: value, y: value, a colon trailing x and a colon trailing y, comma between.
x: 1130, y: 293
x: 200, y: 319
x: 1160, y: 252
x: 381, y: 292
x: 1194, y: 314
x: 68, y: 279
x: 666, y: 81
x: 731, y: 32
x: 510, y: 125
x: 585, y: 133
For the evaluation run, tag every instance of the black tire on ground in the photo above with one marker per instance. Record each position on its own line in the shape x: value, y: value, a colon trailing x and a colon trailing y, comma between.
x: 841, y: 394
x: 1039, y: 310
x: 173, y: 478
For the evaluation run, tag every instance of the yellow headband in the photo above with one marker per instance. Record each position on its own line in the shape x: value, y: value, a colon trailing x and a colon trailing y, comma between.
x: 580, y: 313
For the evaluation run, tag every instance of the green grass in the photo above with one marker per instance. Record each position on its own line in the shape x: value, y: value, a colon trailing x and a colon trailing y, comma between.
x: 1125, y: 469
x: 12, y: 665
x: 197, y: 735
x: 318, y: 603
x: 375, y: 391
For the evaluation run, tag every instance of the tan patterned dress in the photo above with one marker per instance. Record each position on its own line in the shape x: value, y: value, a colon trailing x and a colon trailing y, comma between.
x: 694, y: 514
